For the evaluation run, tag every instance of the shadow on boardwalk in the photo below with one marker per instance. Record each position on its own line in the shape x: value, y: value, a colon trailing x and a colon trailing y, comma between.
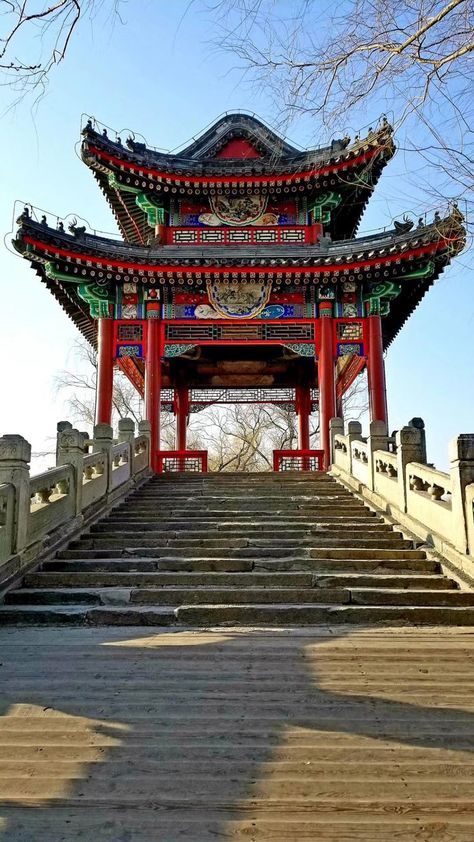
x: 142, y: 735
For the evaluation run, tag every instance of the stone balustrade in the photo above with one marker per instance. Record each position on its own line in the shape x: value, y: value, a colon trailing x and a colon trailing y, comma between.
x: 392, y: 473
x: 39, y: 514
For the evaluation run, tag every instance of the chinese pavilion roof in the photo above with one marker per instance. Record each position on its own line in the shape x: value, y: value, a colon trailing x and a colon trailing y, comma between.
x: 238, y: 155
x: 409, y: 259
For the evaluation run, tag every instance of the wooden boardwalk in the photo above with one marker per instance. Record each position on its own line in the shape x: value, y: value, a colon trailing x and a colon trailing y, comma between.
x: 334, y: 735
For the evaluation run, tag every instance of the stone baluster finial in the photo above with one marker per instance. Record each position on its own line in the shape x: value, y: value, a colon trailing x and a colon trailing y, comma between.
x: 377, y: 440
x: 336, y: 428
x: 70, y: 451
x: 15, y: 456
x: 103, y: 437
x: 61, y: 427
x: 461, y: 456
x: 411, y: 447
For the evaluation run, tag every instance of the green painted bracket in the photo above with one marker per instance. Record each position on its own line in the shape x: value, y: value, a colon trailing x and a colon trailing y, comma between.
x: 322, y: 208
x: 155, y: 213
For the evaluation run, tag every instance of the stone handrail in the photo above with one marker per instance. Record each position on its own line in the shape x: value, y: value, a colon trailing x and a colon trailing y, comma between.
x: 393, y: 474
x: 41, y: 513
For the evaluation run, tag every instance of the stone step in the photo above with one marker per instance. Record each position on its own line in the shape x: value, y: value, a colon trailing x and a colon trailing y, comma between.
x: 253, y: 615
x: 36, y: 582
x: 235, y: 538
x: 366, y: 552
x: 248, y: 521
x: 219, y: 528
x: 148, y: 563
x: 241, y: 547
x: 176, y: 596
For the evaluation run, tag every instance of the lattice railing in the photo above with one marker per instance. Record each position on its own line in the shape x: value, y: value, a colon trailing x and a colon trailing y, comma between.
x: 243, y: 331
x: 173, y: 461
x: 298, y: 460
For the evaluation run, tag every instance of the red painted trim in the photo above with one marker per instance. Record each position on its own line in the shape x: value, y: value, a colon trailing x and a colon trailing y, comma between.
x: 181, y: 402
x: 326, y: 385
x: 105, y: 371
x: 181, y: 456
x: 220, y: 270
x: 310, y: 235
x: 376, y: 371
x: 153, y: 386
x: 234, y: 179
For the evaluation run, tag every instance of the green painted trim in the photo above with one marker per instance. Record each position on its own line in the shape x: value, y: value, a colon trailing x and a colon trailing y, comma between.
x: 322, y: 208
x: 426, y: 270
x: 98, y: 300
x: 155, y: 213
x: 54, y: 275
x: 117, y: 185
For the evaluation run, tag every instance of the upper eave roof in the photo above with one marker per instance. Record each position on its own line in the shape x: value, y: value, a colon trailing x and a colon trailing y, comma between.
x: 198, y: 160
x: 281, y: 168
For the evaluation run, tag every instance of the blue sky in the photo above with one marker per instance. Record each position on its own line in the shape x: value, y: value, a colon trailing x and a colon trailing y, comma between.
x: 160, y: 75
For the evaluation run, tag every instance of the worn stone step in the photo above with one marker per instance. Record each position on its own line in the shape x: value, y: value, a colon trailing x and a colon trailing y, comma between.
x: 182, y: 596
x: 148, y: 561
x: 365, y: 596
x: 226, y: 529
x: 366, y: 552
x: 315, y: 614
x: 238, y: 547
x: 79, y: 615
x: 255, y: 614
x: 35, y: 582
x: 173, y: 578
x: 243, y: 548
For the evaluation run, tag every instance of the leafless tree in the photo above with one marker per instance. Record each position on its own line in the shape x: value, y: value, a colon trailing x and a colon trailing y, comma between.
x: 340, y: 61
x: 78, y: 387
x: 242, y: 437
x: 35, y: 36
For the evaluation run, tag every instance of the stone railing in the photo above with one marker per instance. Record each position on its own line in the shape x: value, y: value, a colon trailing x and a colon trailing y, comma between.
x: 39, y: 514
x: 393, y: 474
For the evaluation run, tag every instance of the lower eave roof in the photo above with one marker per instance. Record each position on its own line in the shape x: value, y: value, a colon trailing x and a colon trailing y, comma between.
x: 437, y: 242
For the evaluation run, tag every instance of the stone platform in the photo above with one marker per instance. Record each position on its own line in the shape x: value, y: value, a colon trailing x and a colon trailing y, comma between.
x: 330, y: 734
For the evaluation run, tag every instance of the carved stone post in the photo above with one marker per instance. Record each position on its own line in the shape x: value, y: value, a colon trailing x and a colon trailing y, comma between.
x: 461, y: 455
x: 336, y: 428
x: 126, y: 433
x: 354, y: 433
x: 103, y: 443
x: 144, y: 429
x: 61, y: 427
x: 70, y: 451
x: 419, y: 424
x: 15, y: 455
x: 377, y: 440
x: 410, y: 448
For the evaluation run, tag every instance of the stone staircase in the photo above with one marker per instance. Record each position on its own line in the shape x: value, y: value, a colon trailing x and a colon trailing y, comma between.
x: 240, y: 549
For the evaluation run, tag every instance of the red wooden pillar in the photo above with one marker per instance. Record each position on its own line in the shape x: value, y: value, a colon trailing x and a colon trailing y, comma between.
x: 376, y: 371
x: 153, y: 386
x: 181, y: 394
x: 326, y: 379
x: 105, y: 371
x: 303, y: 408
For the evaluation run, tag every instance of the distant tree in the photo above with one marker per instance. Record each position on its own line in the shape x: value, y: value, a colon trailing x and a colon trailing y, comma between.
x: 340, y: 61
x: 238, y: 437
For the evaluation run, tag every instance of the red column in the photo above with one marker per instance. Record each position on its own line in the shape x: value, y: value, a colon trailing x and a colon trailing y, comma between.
x: 326, y: 380
x: 376, y: 371
x: 303, y: 408
x: 105, y: 371
x: 182, y: 410
x: 153, y: 386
